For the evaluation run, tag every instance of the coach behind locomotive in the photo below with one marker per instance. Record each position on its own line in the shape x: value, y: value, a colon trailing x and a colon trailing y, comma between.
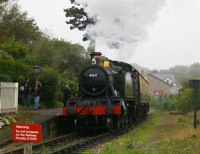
x: 111, y: 95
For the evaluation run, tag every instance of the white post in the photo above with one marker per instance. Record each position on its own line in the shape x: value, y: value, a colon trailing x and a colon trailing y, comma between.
x: 16, y: 96
x: 28, y: 148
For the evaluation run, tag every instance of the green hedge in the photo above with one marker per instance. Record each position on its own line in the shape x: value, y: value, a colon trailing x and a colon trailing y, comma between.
x: 48, y: 77
x: 5, y: 78
x: 15, y: 68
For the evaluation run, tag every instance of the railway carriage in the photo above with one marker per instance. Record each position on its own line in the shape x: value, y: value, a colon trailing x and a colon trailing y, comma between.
x: 111, y: 95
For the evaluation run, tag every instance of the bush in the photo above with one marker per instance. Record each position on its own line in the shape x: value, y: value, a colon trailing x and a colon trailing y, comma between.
x: 15, y: 49
x: 5, y: 78
x: 20, y: 79
x: 170, y: 103
x: 154, y: 101
x: 66, y: 78
x: 157, y: 102
x: 15, y: 68
x: 185, y: 100
x: 5, y: 55
x: 48, y: 78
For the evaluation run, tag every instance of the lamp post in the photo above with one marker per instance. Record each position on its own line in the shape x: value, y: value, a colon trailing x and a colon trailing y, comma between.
x: 37, y: 70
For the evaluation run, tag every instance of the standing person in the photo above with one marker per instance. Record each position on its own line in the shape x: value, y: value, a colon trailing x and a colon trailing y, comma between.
x: 66, y: 93
x: 26, y: 89
x: 37, y: 91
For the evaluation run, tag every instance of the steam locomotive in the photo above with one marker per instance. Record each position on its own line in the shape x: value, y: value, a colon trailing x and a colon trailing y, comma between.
x: 111, y: 94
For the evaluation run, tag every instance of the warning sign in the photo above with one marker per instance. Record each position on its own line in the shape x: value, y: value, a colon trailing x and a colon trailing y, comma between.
x: 27, y: 133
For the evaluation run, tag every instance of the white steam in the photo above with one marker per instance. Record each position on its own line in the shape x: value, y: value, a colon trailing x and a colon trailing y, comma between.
x: 121, y: 24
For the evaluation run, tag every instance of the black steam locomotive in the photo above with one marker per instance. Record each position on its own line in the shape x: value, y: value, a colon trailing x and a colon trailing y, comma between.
x: 111, y: 95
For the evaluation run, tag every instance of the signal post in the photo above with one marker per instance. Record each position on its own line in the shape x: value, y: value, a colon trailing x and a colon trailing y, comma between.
x: 195, y: 84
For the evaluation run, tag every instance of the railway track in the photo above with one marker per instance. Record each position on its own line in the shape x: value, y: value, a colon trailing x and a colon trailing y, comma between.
x: 18, y: 148
x: 89, y: 143
x: 74, y: 143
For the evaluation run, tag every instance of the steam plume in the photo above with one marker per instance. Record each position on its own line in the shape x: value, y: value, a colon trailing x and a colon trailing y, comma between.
x: 121, y: 23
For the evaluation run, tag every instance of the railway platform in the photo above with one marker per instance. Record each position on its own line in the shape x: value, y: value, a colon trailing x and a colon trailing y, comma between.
x: 51, y: 120
x: 53, y: 111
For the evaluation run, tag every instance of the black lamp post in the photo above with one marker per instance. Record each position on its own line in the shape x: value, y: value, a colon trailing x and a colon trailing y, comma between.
x: 37, y: 70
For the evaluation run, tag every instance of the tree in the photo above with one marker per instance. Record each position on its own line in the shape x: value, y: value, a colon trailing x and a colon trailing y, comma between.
x: 185, y: 97
x: 59, y: 54
x: 45, y: 53
x: 71, y: 57
x: 5, y: 78
x: 194, y: 70
x: 180, y: 72
x: 3, y: 1
x: 48, y: 78
x: 77, y: 17
x: 16, y: 25
x: 15, y: 49
x: 5, y: 55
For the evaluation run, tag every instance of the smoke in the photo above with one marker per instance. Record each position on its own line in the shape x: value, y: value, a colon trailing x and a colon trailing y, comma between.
x: 121, y: 24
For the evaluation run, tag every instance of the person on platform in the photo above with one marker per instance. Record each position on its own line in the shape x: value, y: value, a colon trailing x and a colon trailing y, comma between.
x: 66, y: 93
x: 37, y: 91
x: 25, y: 88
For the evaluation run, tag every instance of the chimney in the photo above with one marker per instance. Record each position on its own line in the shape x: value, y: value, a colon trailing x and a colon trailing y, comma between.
x: 96, y: 57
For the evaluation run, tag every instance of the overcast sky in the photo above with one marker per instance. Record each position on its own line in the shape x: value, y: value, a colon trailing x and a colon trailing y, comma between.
x: 171, y: 38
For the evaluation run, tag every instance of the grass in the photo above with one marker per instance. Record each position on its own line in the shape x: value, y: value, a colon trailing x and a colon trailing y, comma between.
x: 161, y: 134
